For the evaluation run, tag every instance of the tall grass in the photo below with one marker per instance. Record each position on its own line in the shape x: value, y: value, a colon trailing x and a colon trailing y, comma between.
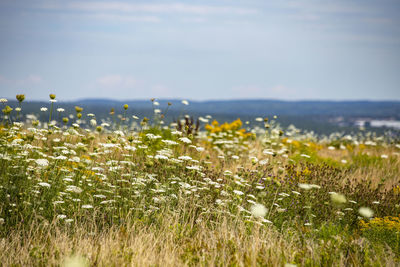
x: 138, y: 192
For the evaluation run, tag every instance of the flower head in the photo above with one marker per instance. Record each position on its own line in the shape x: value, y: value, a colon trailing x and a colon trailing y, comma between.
x: 366, y: 212
x: 20, y: 98
x: 259, y: 210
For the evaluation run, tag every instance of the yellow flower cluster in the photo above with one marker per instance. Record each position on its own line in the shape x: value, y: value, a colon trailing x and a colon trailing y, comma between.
x: 234, y: 127
x: 385, y: 223
x: 294, y: 143
x: 396, y: 190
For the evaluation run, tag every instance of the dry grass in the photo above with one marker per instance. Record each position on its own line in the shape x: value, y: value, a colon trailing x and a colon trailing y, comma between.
x: 227, y: 243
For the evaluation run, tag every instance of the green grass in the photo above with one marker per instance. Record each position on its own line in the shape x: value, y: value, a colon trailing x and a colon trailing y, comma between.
x: 141, y: 193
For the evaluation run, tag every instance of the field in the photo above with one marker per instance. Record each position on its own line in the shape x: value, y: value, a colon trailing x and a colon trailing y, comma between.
x: 134, y: 191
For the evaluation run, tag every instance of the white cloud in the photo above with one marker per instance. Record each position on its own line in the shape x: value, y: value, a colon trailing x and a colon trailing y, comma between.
x: 126, y: 7
x: 31, y: 79
x: 123, y: 17
x: 116, y: 81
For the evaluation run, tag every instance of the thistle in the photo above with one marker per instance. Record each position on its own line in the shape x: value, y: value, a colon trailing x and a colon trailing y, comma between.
x: 20, y: 99
x: 52, y: 100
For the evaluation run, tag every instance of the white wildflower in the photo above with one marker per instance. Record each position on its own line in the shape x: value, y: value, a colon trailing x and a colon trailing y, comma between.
x: 42, y: 162
x: 43, y: 184
x: 258, y: 210
x: 366, y: 212
x: 185, y: 140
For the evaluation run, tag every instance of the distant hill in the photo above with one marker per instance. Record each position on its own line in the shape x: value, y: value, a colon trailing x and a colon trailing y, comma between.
x: 374, y: 109
x: 319, y: 116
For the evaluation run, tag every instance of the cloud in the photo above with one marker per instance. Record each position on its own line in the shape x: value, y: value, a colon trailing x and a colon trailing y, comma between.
x: 123, y: 17
x: 116, y: 81
x: 31, y: 79
x: 171, y: 8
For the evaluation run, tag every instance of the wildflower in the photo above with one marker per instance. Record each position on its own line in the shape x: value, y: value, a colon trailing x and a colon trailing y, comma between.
x: 237, y: 192
x: 200, y: 149
x: 42, y: 162
x: 161, y: 157
x: 43, y: 109
x: 126, y: 106
x: 185, y: 102
x: 185, y: 140
x: 305, y: 186
x: 135, y: 117
x: 61, y: 216
x: 3, y: 100
x: 20, y: 98
x: 43, y: 184
x: 52, y: 96
x: 78, y: 109
x: 74, y: 189
x: 184, y: 158
x: 258, y: 210
x: 338, y: 198
x: 87, y: 207
x: 7, y: 110
x: 366, y: 212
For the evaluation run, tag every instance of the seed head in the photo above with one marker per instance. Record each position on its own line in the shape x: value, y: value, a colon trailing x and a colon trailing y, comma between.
x: 7, y: 110
x: 126, y: 106
x: 20, y: 98
x: 52, y: 96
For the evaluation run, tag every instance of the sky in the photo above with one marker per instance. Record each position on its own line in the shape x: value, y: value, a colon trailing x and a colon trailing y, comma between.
x: 201, y: 50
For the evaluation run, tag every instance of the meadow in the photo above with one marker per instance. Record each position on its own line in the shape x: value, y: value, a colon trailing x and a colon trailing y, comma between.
x: 130, y: 191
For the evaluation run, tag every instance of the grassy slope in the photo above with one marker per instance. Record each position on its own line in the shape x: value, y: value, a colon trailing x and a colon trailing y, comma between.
x: 164, y: 214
